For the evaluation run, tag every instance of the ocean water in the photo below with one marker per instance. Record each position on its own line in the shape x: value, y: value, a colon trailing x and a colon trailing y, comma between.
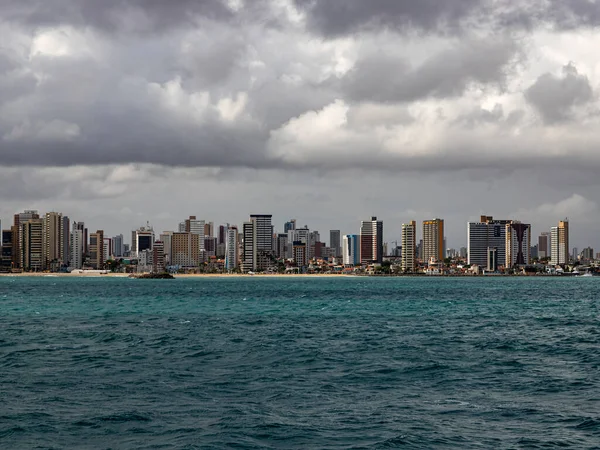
x: 307, y: 363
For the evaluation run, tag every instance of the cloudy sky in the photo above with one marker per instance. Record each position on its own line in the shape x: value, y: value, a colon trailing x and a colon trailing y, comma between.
x: 329, y: 111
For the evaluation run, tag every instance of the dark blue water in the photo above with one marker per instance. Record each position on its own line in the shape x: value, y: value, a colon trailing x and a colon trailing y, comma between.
x: 300, y: 363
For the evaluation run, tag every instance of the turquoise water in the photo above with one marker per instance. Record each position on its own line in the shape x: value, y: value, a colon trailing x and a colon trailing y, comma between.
x: 300, y: 363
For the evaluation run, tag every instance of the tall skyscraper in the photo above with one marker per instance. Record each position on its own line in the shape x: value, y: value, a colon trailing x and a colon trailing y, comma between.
x: 231, y: 249
x: 19, y: 219
x: 409, y: 236
x: 281, y: 246
x: 433, y: 240
x: 66, y: 241
x: 53, y: 241
x: 518, y: 244
x: 560, y: 243
x: 84, y: 234
x: 97, y: 256
x: 351, y: 250
x: 289, y: 226
x: 76, y: 247
x: 335, y: 242
x: 544, y: 245
x: 141, y: 239
x: 185, y: 250
x: 249, y: 255
x: 485, y: 234
x: 6, y: 255
x: 166, y: 238
x: 371, y: 241
x: 158, y: 257
x: 32, y: 244
x: 258, y: 243
x: 209, y: 229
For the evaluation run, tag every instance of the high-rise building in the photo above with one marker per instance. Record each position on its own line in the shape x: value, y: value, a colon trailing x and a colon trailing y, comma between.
x: 492, y: 259
x: 231, y: 250
x: 313, y: 238
x: 76, y: 247
x: 166, y: 239
x: 335, y: 242
x: 258, y: 243
x: 485, y: 234
x: 117, y: 246
x: 409, y: 239
x: 222, y: 237
x: 281, y: 246
x: 371, y: 241
x: 300, y: 254
x: 53, y: 241
x: 210, y: 246
x: 108, y: 249
x: 66, y: 241
x: 289, y: 226
x: 97, y: 256
x: 6, y: 255
x: 433, y: 240
x: 141, y: 239
x: 209, y: 229
x: 158, y: 257
x: 518, y: 244
x: 32, y: 244
x: 587, y: 254
x: 185, y: 250
x: 544, y: 245
x: 84, y: 233
x: 351, y: 250
x: 19, y: 219
x: 559, y: 254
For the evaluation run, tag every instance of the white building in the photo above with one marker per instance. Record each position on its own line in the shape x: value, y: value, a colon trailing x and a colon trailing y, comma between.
x: 409, y: 231
x: 231, y: 248
x: 351, y: 250
x: 76, y: 246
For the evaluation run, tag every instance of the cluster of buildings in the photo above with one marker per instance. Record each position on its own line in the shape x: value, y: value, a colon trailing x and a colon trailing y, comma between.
x: 51, y: 242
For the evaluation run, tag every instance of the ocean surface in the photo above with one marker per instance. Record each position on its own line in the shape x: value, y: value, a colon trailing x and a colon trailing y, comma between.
x: 361, y: 363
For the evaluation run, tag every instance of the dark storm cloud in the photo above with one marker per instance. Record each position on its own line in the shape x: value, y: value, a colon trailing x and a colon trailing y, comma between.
x: 555, y: 97
x: 385, y: 78
x: 337, y: 17
x: 112, y: 15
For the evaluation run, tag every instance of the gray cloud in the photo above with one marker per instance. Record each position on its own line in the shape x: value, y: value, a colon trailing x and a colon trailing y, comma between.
x: 112, y: 15
x: 337, y: 17
x: 555, y: 97
x: 385, y: 78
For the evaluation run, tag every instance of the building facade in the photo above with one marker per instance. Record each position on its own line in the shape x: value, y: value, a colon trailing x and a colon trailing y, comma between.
x: 335, y: 242
x: 351, y: 250
x: 433, y: 240
x: 97, y: 255
x: 518, y: 244
x: 559, y: 254
x: 371, y: 241
x: 409, y: 239
x: 485, y: 234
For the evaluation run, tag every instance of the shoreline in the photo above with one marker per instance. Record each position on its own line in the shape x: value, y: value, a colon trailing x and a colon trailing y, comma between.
x: 287, y: 275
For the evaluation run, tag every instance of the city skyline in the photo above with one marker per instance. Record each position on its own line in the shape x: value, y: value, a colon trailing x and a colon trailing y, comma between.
x: 399, y: 109
x: 392, y: 232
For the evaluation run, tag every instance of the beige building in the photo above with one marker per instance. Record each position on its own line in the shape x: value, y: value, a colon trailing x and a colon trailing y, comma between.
x: 409, y: 232
x: 185, y: 250
x: 97, y: 255
x: 433, y: 240
x: 559, y: 237
x: 54, y: 245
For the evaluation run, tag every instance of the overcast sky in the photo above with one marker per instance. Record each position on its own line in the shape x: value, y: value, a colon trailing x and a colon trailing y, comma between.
x: 118, y: 112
